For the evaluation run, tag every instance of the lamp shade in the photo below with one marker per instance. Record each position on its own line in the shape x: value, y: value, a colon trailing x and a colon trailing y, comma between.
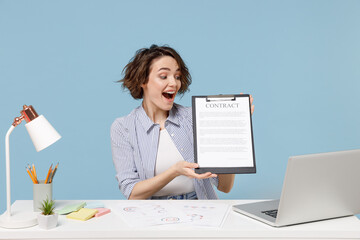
x: 42, y: 133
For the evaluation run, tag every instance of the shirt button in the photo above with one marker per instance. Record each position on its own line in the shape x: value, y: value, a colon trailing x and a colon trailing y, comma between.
x: 182, y: 149
x: 172, y: 134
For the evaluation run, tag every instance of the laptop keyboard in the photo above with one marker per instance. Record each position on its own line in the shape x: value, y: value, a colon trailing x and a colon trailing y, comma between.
x: 271, y: 213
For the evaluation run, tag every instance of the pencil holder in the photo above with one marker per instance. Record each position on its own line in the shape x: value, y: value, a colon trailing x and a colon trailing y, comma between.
x: 41, y: 191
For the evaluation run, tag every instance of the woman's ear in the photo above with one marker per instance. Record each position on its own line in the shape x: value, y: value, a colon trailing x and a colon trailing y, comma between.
x: 144, y: 85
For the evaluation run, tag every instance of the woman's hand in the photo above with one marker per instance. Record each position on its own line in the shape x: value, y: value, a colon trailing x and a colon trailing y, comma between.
x: 147, y: 188
x: 187, y: 169
x: 252, y: 106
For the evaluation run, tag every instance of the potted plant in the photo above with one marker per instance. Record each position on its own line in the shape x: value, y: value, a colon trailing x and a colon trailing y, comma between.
x: 47, y: 219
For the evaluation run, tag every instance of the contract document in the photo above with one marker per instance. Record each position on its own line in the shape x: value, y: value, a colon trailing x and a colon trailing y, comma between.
x: 223, y: 136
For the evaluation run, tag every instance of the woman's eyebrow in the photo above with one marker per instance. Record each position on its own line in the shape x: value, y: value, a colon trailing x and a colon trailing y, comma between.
x: 168, y: 69
x: 164, y: 68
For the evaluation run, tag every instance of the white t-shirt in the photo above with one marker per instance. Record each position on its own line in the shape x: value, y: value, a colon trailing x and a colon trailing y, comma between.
x: 168, y: 155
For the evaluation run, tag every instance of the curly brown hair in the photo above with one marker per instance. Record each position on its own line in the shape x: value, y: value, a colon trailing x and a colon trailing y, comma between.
x: 138, y: 69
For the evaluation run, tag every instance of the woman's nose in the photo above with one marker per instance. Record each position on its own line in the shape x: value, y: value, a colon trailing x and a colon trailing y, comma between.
x: 172, y: 81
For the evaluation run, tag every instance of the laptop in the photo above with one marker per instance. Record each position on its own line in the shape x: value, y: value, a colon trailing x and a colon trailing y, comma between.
x: 316, y: 187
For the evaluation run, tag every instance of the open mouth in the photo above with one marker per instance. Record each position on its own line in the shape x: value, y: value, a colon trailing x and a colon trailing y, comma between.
x: 169, y: 95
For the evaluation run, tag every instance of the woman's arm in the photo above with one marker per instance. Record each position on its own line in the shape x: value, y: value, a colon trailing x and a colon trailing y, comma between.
x: 146, y: 188
x: 226, y: 182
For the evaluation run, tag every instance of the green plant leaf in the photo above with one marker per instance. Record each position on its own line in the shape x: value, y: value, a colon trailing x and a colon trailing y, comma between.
x: 47, y: 207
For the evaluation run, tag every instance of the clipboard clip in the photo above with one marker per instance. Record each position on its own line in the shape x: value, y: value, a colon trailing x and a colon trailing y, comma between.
x: 213, y: 98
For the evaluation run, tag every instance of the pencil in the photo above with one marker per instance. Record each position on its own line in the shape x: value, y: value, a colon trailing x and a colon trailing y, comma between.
x: 49, y: 181
x: 53, y: 172
x: 32, y: 179
x: 31, y: 170
x: 31, y: 173
x: 47, y: 176
x: 35, y: 176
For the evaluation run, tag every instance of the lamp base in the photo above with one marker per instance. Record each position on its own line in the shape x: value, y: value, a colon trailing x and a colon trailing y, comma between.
x: 18, y: 220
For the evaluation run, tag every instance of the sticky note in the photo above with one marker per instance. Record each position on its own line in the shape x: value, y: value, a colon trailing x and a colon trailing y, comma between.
x: 71, y: 208
x: 102, y: 211
x: 83, y: 214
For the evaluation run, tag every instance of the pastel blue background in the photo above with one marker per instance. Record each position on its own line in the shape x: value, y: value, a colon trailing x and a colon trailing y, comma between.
x: 299, y: 59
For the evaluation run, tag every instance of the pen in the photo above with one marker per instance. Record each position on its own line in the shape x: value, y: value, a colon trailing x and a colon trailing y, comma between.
x: 32, y: 179
x: 47, y: 176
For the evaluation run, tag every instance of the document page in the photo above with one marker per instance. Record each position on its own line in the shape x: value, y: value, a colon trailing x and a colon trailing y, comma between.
x: 143, y: 213
x: 205, y: 214
x: 223, y: 133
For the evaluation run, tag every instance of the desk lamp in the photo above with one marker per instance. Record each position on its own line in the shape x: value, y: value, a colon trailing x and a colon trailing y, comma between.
x: 42, y: 135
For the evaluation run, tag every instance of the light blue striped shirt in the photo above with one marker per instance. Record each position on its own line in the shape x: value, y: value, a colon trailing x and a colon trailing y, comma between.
x: 134, y: 144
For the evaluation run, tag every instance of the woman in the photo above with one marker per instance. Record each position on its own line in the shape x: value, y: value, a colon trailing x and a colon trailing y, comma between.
x: 152, y: 147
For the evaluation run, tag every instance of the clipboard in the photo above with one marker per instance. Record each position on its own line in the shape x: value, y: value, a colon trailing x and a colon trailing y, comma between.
x: 223, y: 134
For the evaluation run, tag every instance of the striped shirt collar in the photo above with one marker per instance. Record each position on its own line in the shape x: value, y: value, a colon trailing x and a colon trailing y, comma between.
x: 148, y: 124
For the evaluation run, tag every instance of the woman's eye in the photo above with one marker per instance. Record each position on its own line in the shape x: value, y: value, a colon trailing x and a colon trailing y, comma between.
x: 178, y: 77
x: 163, y: 77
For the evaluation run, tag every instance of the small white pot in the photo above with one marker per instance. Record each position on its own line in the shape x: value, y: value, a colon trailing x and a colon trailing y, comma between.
x: 47, y: 221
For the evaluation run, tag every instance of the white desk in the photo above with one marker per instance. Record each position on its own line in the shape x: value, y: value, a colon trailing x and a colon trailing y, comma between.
x: 236, y: 226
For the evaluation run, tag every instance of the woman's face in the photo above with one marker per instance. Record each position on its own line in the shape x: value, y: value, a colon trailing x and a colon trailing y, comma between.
x: 163, y: 84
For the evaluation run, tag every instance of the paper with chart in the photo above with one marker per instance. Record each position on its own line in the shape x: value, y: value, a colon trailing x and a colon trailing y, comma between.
x: 204, y: 213
x: 149, y: 213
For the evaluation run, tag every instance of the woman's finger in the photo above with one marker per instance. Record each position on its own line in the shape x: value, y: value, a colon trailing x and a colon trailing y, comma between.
x: 204, y: 175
